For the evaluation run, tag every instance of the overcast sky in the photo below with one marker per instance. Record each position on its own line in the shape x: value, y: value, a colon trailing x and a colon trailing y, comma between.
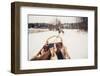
x: 52, y: 19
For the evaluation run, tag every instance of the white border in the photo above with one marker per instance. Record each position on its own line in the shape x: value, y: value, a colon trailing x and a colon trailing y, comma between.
x: 25, y: 64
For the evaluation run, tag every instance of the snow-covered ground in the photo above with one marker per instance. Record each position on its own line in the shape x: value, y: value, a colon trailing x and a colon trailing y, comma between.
x: 75, y: 41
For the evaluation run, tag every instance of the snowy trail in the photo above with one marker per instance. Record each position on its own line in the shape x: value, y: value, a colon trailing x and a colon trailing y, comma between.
x: 76, y: 42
